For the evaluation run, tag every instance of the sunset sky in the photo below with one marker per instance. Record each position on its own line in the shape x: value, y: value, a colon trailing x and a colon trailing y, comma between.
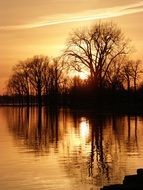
x: 33, y: 27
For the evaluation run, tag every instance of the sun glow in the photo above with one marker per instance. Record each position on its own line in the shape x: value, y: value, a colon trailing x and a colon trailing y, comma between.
x: 83, y: 75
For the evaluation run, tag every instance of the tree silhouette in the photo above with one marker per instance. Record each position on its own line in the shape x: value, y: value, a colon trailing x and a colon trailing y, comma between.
x: 18, y: 84
x: 37, y: 71
x: 102, y: 52
x: 135, y: 71
x: 95, y: 49
x: 114, y: 78
x: 55, y: 78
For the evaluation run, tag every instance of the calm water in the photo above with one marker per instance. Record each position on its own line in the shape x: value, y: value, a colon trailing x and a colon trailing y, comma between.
x: 67, y: 150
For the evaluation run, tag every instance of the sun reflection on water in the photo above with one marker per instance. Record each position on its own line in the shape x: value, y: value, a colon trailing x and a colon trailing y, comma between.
x: 84, y: 127
x: 66, y: 146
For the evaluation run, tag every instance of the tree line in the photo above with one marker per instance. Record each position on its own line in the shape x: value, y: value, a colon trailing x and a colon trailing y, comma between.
x: 37, y: 77
x: 101, y: 50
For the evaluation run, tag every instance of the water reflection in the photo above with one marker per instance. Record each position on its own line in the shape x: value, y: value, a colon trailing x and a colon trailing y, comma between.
x: 84, y: 127
x: 93, y: 149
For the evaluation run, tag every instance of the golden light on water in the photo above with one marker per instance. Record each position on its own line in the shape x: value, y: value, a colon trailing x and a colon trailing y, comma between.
x: 84, y: 127
x: 67, y: 152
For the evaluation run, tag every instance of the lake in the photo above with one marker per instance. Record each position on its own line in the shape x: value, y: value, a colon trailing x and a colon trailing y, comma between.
x: 63, y: 149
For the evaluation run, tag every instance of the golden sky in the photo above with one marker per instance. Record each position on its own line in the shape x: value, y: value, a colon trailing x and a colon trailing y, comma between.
x: 32, y: 27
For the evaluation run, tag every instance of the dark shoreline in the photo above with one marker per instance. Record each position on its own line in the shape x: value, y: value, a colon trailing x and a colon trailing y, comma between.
x: 103, y: 109
x: 130, y: 182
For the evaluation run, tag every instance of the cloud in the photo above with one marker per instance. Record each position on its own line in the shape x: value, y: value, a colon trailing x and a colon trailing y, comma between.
x: 80, y: 17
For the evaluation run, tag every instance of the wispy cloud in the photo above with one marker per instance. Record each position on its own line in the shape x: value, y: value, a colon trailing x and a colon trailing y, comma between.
x: 79, y: 17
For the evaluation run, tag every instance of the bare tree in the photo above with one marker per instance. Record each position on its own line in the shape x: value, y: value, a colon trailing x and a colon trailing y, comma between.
x: 37, y: 71
x: 127, y: 73
x: 19, y: 83
x: 55, y: 78
x: 38, y: 76
x: 95, y: 49
x: 14, y: 86
x: 135, y: 72
x: 114, y: 77
x: 22, y: 70
x: 131, y: 72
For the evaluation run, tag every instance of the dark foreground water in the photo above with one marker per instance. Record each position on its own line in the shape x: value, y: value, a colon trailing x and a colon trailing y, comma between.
x: 67, y: 150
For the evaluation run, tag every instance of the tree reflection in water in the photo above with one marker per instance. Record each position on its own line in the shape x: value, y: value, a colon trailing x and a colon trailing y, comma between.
x: 92, y: 148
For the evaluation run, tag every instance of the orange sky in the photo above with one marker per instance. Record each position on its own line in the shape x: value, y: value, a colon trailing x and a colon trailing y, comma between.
x: 33, y: 27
